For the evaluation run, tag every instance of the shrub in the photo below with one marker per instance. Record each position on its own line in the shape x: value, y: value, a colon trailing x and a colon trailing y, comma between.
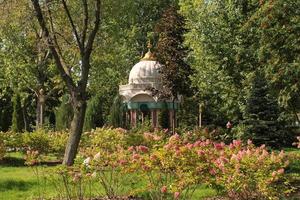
x: 37, y: 141
x: 2, y: 147
x: 57, y: 142
x: 12, y: 141
x: 251, y: 173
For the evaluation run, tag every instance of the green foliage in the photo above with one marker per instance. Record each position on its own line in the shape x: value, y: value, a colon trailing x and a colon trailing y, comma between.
x: 172, y: 54
x: 262, y: 115
x: 93, y: 115
x: 163, y: 117
x: 6, y: 109
x: 17, y: 117
x: 2, y: 147
x: 117, y: 113
x: 188, y: 113
x: 64, y: 114
x: 37, y: 141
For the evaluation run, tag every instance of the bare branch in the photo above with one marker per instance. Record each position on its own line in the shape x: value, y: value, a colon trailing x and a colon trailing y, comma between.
x: 73, y: 26
x: 85, y: 21
x: 38, y: 11
x: 89, y: 45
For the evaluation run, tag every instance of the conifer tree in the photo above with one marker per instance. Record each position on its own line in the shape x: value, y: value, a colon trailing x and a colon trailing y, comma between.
x: 262, y: 114
x: 117, y: 113
x: 17, y: 117
x: 93, y: 116
x: 63, y: 114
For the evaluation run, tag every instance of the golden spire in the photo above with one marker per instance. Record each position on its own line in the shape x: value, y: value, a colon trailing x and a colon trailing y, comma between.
x: 149, y: 55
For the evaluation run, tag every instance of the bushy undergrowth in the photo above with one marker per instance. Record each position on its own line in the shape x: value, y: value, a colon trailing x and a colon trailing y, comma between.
x: 44, y: 142
x: 160, y: 165
x: 2, y: 149
x: 174, y: 167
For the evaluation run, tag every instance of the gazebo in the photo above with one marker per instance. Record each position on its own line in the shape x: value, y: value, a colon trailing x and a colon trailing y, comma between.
x: 139, y: 99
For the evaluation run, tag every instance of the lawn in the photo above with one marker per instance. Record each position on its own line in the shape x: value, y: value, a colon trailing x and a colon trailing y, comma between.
x: 19, y: 182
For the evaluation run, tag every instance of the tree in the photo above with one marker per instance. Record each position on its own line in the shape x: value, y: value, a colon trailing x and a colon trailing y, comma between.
x: 17, y: 117
x: 26, y: 62
x: 94, y: 115
x: 172, y: 55
x: 117, y: 113
x: 262, y: 114
x: 64, y: 114
x: 61, y: 29
x: 276, y: 24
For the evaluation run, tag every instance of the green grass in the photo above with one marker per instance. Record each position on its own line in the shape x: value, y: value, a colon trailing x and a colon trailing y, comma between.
x: 19, y: 182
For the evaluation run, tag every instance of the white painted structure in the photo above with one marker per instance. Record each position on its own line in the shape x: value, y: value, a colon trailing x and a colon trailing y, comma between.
x: 141, y: 103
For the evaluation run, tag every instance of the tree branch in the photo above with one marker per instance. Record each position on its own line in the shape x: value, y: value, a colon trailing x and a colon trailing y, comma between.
x: 81, y: 48
x: 85, y: 21
x: 67, y: 79
x: 89, y: 46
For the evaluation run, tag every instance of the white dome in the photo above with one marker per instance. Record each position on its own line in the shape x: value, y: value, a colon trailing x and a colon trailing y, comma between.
x: 145, y: 71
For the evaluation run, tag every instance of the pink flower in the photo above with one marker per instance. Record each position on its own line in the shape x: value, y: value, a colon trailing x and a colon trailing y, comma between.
x: 164, y: 189
x: 274, y: 174
x: 197, y: 144
x: 176, y: 195
x: 207, y: 142
x: 249, y: 142
x: 145, y: 167
x: 189, y: 145
x: 218, y: 146
x: 200, y: 152
x: 280, y: 171
x: 237, y: 143
x: 122, y: 162
x: 136, y: 156
x: 262, y: 146
x: 143, y: 149
x: 229, y: 125
x: 131, y: 148
x: 212, y: 171
x: 156, y: 138
x: 174, y: 137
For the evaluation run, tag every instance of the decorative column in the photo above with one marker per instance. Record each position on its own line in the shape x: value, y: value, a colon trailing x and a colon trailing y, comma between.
x: 133, y: 118
x: 154, y: 118
x: 171, y: 122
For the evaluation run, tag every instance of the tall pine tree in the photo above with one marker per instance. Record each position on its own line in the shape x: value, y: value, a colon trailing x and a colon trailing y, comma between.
x: 262, y: 114
x: 17, y: 117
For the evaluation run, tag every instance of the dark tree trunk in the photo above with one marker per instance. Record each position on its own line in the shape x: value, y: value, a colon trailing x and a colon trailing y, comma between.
x: 79, y: 108
x: 84, y: 43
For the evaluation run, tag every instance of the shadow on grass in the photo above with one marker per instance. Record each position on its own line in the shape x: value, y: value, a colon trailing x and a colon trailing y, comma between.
x: 12, y: 162
x: 20, y: 185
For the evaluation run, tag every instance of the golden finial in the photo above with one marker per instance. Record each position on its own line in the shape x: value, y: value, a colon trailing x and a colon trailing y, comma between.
x: 149, y: 55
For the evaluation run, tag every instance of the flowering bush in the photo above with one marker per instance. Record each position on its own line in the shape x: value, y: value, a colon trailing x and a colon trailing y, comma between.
x: 37, y: 141
x: 250, y: 173
x: 57, y: 142
x: 243, y: 172
x: 107, y: 160
x: 2, y: 148
x: 12, y: 141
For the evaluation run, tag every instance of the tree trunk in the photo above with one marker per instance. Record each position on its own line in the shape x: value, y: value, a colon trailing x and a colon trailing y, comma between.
x: 79, y: 107
x: 40, y: 111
